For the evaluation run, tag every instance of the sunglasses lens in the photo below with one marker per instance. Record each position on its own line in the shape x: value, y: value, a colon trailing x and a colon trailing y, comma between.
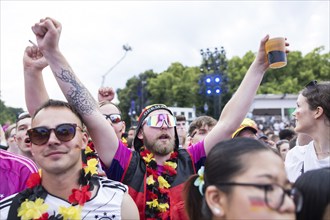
x: 65, y: 132
x: 158, y: 120
x: 171, y: 121
x: 39, y: 135
x: 115, y: 118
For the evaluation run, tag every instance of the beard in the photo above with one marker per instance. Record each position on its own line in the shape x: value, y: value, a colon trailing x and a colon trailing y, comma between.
x: 159, y: 146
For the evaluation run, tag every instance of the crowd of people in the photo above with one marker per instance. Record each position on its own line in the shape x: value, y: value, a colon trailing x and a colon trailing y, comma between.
x: 69, y: 160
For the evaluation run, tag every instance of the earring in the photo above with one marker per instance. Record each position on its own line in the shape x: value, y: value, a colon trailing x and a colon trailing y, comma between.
x: 217, y: 211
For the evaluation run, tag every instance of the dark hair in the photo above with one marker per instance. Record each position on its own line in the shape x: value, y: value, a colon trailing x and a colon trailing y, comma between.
x: 286, y: 134
x: 280, y: 142
x: 318, y: 94
x: 223, y: 163
x: 180, y: 118
x: 58, y: 104
x: 314, y: 186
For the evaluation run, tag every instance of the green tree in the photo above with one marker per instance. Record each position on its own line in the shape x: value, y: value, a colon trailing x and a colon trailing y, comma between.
x: 8, y: 114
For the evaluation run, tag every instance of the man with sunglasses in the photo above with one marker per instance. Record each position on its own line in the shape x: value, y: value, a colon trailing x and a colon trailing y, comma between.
x: 155, y: 173
x: 66, y: 188
x: 112, y: 114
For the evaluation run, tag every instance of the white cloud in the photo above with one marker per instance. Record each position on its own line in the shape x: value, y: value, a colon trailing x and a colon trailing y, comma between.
x: 160, y: 32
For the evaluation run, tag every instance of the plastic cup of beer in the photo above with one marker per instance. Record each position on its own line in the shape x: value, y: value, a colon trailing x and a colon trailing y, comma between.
x: 275, y: 49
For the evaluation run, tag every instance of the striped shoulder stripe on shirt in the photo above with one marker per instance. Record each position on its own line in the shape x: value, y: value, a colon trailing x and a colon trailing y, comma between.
x: 7, y: 201
x: 113, y: 184
x: 23, y: 160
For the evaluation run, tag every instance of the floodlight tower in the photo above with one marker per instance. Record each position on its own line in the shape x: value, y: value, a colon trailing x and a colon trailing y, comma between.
x: 213, y: 67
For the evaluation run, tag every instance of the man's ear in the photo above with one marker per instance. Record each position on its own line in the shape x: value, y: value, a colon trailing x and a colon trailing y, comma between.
x: 123, y: 128
x: 216, y: 201
x: 84, y: 140
x: 140, y: 134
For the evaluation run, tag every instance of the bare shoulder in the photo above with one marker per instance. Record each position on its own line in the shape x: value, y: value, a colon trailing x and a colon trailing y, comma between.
x: 129, y: 209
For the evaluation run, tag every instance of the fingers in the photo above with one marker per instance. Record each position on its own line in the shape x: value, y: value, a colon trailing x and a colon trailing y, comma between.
x: 266, y: 38
x: 41, y: 28
x: 33, y: 52
x: 105, y: 91
x: 56, y: 24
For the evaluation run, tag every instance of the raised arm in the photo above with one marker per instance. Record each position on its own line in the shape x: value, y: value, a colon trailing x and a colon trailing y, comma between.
x: 105, y: 94
x: 238, y: 106
x: 35, y: 91
x: 48, y: 32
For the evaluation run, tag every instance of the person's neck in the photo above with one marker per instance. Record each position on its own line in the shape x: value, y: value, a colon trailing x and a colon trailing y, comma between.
x: 322, y: 145
x: 161, y: 159
x: 27, y: 154
x: 61, y: 185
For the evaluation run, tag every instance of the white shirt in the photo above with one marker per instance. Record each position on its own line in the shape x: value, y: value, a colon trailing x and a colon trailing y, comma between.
x: 105, y: 205
x: 300, y: 156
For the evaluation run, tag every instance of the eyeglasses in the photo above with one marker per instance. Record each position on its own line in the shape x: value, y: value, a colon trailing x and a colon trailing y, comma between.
x: 274, y: 194
x: 64, y: 132
x: 311, y: 84
x: 114, y: 118
x: 158, y: 120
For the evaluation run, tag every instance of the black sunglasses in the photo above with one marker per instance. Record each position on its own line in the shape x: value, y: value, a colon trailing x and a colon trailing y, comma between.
x: 114, y: 118
x: 64, y: 132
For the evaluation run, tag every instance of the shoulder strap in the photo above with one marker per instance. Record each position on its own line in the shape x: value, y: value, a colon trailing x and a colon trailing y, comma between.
x: 16, y: 203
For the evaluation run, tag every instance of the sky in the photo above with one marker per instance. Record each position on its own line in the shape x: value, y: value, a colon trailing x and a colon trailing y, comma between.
x: 159, y: 32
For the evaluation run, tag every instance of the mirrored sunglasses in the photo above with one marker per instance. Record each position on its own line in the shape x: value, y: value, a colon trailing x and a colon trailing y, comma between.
x: 63, y: 132
x: 158, y: 120
x: 114, y: 118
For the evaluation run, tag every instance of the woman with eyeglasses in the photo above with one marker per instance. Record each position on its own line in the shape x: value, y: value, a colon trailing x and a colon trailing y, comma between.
x: 242, y: 179
x: 312, y: 117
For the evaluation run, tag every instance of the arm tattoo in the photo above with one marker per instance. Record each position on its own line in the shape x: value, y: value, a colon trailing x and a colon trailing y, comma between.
x: 78, y: 96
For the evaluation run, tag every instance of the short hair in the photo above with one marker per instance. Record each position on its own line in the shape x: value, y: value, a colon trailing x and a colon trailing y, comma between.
x: 287, y: 134
x: 200, y: 122
x: 280, y: 142
x: 8, y: 130
x: 314, y: 186
x: 180, y: 118
x: 58, y: 104
x: 318, y: 94
x: 22, y: 116
x: 103, y: 103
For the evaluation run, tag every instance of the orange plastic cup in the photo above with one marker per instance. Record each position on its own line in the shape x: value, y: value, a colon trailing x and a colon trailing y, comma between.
x: 275, y: 49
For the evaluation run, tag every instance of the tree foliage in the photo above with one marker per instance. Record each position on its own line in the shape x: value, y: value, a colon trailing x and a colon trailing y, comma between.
x: 179, y: 85
x: 8, y: 114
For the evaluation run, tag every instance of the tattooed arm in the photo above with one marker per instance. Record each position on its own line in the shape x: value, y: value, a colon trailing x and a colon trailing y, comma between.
x: 48, y: 32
